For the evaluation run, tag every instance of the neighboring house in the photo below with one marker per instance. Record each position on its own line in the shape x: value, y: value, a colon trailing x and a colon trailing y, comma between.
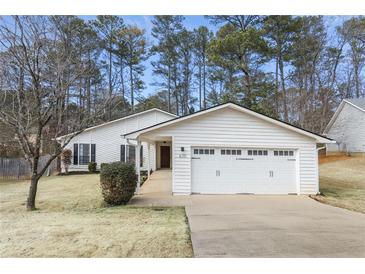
x: 230, y: 149
x: 347, y: 128
x: 104, y: 144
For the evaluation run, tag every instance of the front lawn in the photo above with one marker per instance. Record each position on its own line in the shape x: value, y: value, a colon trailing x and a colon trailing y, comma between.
x: 72, y: 221
x: 342, y: 183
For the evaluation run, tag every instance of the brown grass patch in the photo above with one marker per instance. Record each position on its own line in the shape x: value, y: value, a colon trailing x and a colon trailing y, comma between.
x: 73, y: 222
x: 333, y: 158
x: 342, y: 183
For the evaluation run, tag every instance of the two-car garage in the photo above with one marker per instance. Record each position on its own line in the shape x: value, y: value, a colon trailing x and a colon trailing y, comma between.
x: 229, y: 149
x: 220, y: 170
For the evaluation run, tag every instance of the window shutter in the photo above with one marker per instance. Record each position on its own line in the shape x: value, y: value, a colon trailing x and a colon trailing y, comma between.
x: 122, y: 153
x: 141, y: 156
x: 76, y: 154
x: 93, y: 152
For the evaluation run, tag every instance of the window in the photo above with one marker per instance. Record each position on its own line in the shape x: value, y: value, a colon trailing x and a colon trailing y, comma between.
x: 211, y: 152
x: 231, y: 151
x: 128, y: 154
x: 131, y: 154
x: 196, y: 151
x: 206, y: 151
x: 84, y: 154
x: 201, y: 151
x: 257, y: 152
x: 76, y: 154
x: 283, y: 153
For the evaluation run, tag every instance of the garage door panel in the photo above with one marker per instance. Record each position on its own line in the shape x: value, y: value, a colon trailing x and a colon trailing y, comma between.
x: 218, y: 173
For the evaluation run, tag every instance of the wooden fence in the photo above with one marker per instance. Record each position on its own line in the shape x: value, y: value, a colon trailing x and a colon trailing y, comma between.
x: 19, y: 169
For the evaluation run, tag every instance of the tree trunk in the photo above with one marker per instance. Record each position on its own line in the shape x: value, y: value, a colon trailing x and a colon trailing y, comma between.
x: 277, y: 87
x: 282, y: 80
x: 32, y: 193
x: 357, y: 82
x: 132, y: 89
x: 204, y: 88
x: 200, y: 87
x: 122, y: 80
x: 169, y: 88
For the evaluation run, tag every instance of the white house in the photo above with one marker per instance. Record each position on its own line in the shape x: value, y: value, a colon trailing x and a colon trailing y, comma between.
x: 347, y: 127
x: 230, y: 149
x: 103, y: 143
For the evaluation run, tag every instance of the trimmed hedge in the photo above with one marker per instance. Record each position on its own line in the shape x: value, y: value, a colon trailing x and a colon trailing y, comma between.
x: 92, y: 167
x: 118, y: 182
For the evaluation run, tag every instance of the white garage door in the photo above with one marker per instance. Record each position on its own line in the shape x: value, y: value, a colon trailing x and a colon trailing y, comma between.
x: 243, y: 170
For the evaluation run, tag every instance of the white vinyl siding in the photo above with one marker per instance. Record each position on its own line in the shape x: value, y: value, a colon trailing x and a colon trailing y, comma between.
x: 108, y: 138
x: 348, y: 130
x: 231, y: 128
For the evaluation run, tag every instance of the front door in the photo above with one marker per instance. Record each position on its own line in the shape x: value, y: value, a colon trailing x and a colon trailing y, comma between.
x: 165, y: 157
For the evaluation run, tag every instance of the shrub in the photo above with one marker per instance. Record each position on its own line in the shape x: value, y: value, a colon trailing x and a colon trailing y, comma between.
x: 103, y: 165
x: 66, y: 158
x: 118, y: 182
x: 91, y: 167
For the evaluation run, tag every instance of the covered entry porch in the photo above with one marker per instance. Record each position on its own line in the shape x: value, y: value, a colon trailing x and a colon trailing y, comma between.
x: 158, y: 156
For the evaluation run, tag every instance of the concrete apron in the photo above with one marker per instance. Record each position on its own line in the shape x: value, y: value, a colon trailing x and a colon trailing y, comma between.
x: 260, y: 225
x: 273, y: 226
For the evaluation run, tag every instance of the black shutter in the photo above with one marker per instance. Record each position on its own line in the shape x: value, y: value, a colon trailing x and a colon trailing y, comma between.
x: 76, y: 154
x: 141, y: 156
x: 122, y: 153
x: 93, y: 151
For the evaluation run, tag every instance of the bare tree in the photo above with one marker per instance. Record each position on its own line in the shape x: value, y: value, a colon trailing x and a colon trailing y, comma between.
x: 33, y: 92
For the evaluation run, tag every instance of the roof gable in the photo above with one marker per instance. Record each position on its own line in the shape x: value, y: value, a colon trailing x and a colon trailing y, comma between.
x: 358, y: 103
x: 237, y: 107
x: 123, y: 119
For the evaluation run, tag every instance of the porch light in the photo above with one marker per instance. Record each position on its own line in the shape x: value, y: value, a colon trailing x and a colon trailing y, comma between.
x: 182, y: 149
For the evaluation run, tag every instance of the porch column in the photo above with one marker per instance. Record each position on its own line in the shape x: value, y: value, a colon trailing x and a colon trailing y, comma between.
x: 138, y: 166
x: 148, y: 160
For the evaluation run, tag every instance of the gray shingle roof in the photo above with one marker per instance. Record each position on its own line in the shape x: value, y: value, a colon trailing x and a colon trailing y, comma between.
x: 359, y: 102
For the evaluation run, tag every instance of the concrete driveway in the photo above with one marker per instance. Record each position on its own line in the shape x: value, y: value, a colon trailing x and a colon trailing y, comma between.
x: 260, y: 225
x: 273, y: 226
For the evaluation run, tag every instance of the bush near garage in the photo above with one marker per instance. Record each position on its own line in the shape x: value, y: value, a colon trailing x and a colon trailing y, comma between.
x: 118, y: 182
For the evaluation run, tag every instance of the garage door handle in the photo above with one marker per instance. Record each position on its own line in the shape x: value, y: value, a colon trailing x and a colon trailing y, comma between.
x: 195, y: 158
x: 291, y: 159
x: 244, y: 159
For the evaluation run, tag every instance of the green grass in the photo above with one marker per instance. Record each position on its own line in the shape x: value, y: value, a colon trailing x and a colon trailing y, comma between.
x: 73, y: 221
x: 342, y: 184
